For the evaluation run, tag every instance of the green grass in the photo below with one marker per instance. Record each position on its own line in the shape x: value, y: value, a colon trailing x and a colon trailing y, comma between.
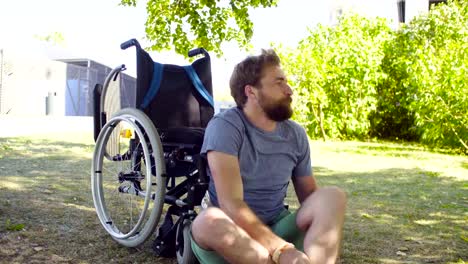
x: 405, y: 204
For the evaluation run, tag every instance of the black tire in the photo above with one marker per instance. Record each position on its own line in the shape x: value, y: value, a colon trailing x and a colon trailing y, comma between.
x: 184, y: 250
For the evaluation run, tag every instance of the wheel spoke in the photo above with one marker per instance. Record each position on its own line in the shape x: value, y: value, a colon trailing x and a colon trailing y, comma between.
x: 130, y: 218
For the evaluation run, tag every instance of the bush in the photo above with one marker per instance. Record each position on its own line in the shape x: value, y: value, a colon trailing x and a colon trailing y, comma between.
x: 360, y: 78
x: 335, y: 71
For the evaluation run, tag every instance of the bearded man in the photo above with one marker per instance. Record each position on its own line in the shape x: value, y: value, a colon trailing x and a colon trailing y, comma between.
x: 253, y: 152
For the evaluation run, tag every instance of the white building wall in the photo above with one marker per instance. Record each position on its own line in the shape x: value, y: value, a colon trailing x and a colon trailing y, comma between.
x: 29, y: 82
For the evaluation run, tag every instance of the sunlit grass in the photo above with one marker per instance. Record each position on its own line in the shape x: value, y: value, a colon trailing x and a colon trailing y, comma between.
x: 11, y: 185
x: 401, y: 198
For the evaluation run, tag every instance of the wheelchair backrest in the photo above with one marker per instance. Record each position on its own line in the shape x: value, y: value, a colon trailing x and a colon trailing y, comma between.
x: 177, y: 102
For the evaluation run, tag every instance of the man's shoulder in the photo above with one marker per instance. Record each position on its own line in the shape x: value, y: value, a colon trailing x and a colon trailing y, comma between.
x: 224, y: 133
x: 294, y: 126
x: 231, y: 116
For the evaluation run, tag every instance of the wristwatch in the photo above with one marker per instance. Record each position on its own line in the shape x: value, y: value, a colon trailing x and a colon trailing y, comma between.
x: 277, y: 253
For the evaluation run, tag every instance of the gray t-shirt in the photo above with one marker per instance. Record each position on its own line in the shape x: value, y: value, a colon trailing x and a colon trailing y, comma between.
x: 267, y: 160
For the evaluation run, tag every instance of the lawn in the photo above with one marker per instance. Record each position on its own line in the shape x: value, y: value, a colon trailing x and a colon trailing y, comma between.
x: 406, y: 204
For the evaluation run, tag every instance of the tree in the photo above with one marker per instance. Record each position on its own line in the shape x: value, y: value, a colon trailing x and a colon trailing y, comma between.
x: 334, y: 71
x: 426, y: 67
x: 185, y: 24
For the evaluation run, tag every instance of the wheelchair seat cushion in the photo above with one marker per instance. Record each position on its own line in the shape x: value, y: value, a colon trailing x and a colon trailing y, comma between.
x: 182, y: 135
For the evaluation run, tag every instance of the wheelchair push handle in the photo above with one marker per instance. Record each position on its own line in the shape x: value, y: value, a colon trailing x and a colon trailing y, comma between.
x: 198, y: 51
x: 129, y: 43
x: 133, y: 42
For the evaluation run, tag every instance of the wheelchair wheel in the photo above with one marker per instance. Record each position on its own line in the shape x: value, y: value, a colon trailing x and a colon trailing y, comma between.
x: 128, y: 186
x: 184, y: 250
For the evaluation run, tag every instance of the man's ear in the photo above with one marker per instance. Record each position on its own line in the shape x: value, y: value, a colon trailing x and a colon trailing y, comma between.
x: 249, y: 91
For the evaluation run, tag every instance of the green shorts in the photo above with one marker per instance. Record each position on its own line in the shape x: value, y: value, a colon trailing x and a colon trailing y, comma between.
x: 284, y: 226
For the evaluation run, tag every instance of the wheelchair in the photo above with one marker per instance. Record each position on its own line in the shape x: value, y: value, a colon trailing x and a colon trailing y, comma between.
x: 147, y: 156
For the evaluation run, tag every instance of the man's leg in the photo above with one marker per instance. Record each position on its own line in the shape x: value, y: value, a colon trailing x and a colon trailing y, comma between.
x: 322, y: 216
x: 212, y: 229
x: 287, y: 229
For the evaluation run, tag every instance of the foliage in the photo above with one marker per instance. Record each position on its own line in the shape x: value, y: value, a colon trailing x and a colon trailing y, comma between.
x: 13, y: 227
x: 5, y: 147
x: 54, y: 38
x: 335, y: 71
x: 426, y: 67
x: 360, y: 78
x: 185, y: 24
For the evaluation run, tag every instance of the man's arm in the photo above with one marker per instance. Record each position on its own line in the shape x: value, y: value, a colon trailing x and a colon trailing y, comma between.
x: 228, y: 182
x: 304, y: 187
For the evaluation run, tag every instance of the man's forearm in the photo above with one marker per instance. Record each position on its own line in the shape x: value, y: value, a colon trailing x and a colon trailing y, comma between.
x: 244, y: 217
x: 304, y: 187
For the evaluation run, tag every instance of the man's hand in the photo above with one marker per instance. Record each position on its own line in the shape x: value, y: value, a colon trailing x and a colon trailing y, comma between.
x: 293, y: 256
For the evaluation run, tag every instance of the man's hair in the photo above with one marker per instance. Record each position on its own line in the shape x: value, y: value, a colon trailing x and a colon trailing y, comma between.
x: 249, y: 72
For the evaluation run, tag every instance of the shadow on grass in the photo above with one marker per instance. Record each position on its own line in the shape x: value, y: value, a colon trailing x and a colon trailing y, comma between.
x: 394, y: 215
x: 66, y: 229
x: 45, y: 186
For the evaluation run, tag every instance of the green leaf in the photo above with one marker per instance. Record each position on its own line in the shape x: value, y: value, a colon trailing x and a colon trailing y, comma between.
x: 183, y: 25
x: 13, y: 227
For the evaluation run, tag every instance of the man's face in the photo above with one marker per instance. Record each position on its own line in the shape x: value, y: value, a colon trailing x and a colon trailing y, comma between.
x: 274, y: 95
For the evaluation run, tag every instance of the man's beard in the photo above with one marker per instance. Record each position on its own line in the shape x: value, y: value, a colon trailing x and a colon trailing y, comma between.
x: 276, y: 110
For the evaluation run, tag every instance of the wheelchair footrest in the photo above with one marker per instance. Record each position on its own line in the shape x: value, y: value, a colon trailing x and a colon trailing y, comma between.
x: 164, y: 249
x: 164, y: 244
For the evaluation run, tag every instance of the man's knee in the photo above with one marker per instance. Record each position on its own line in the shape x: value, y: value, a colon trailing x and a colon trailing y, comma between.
x: 338, y: 196
x: 208, y: 225
x: 325, y: 202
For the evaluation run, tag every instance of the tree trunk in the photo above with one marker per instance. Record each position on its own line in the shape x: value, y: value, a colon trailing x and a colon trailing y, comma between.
x: 319, y: 118
x: 321, y: 123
